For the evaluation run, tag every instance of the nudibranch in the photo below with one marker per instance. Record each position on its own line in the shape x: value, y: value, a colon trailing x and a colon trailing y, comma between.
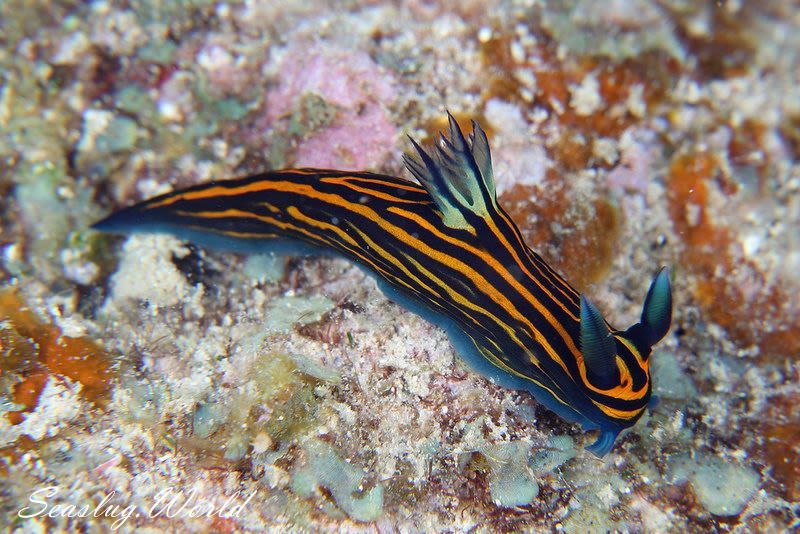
x: 445, y: 249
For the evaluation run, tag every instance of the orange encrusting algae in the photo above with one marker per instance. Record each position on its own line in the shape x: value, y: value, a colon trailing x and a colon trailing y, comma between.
x: 593, y: 228
x: 34, y: 351
x: 781, y: 443
x: 712, y: 256
x: 650, y: 72
x: 727, y: 48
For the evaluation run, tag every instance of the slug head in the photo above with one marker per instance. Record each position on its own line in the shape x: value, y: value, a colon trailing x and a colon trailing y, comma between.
x: 601, y: 347
x: 616, y: 362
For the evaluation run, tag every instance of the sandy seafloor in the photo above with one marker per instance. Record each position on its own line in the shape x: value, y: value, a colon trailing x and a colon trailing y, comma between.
x: 145, y: 381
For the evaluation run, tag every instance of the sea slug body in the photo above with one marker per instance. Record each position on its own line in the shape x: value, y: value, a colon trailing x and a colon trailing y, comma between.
x: 446, y: 250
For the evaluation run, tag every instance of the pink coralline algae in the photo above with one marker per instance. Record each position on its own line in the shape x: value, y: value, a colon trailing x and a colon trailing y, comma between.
x: 360, y: 134
x: 362, y: 141
x: 637, y: 154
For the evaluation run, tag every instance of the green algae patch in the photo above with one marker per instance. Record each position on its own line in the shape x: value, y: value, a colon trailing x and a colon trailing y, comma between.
x: 511, y: 482
x: 559, y: 450
x: 513, y: 468
x: 134, y: 99
x: 669, y: 380
x: 345, y: 482
x: 42, y: 209
x: 286, y: 311
x: 120, y: 134
x: 276, y: 405
x: 294, y: 417
x: 264, y: 267
x: 722, y: 487
x: 276, y: 383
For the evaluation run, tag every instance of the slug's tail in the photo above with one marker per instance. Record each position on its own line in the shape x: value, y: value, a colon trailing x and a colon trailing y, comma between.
x: 122, y: 222
x: 220, y: 215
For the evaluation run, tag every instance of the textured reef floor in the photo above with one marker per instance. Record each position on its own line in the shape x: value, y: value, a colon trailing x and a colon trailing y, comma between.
x: 149, y: 384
